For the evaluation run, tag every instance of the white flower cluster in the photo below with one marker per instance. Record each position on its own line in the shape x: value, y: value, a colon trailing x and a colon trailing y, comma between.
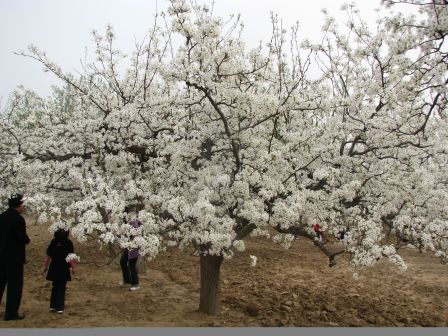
x: 284, y: 240
x: 72, y: 257
x: 239, y: 245
x: 253, y: 260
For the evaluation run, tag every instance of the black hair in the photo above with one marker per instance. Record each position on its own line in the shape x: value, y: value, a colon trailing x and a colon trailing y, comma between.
x: 61, y: 233
x: 15, y: 201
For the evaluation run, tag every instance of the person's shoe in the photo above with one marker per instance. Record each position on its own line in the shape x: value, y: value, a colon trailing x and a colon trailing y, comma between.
x: 52, y: 310
x: 18, y: 317
x: 59, y: 311
x: 122, y: 283
x: 134, y: 288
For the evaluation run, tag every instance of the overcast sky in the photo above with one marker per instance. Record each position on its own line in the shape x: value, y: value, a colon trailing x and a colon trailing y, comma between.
x: 63, y: 28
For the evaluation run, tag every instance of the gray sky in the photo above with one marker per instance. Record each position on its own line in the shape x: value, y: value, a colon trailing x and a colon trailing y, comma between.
x: 62, y: 29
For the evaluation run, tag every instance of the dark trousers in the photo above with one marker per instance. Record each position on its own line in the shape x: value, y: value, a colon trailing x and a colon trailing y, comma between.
x: 57, y: 298
x: 11, y: 277
x: 129, y: 269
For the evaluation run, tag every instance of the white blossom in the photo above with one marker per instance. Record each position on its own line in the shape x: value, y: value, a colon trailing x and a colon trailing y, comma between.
x: 72, y: 257
x: 253, y: 260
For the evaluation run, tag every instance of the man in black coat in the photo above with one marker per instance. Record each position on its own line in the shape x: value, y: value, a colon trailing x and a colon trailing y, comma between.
x: 13, y: 239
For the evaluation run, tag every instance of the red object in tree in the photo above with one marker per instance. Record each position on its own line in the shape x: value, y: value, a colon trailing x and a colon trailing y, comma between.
x: 316, y: 227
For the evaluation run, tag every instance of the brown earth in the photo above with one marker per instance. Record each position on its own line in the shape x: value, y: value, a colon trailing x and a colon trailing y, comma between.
x: 293, y: 287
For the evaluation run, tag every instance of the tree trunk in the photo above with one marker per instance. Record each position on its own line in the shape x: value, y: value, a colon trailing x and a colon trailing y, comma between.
x: 210, y: 299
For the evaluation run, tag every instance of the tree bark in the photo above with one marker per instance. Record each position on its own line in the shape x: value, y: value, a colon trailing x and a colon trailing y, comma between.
x: 210, y: 298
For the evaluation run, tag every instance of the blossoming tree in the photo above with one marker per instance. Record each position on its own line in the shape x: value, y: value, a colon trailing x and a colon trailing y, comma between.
x: 211, y: 142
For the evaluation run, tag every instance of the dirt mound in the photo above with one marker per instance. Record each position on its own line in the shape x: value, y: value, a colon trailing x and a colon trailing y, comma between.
x: 293, y: 287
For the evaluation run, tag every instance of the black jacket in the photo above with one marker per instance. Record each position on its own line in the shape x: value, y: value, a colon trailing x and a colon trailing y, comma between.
x: 13, y: 237
x: 58, y: 250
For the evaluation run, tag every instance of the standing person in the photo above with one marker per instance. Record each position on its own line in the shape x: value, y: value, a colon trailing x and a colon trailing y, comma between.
x: 319, y: 233
x: 128, y: 263
x: 59, y: 268
x: 13, y: 239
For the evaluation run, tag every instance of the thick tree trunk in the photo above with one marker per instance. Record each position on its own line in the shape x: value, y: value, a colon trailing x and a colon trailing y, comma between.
x: 210, y: 299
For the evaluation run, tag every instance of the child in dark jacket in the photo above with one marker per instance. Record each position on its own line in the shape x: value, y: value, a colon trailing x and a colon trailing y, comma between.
x: 59, y: 268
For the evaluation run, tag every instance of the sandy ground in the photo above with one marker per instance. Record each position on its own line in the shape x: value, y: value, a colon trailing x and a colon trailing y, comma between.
x: 293, y: 287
